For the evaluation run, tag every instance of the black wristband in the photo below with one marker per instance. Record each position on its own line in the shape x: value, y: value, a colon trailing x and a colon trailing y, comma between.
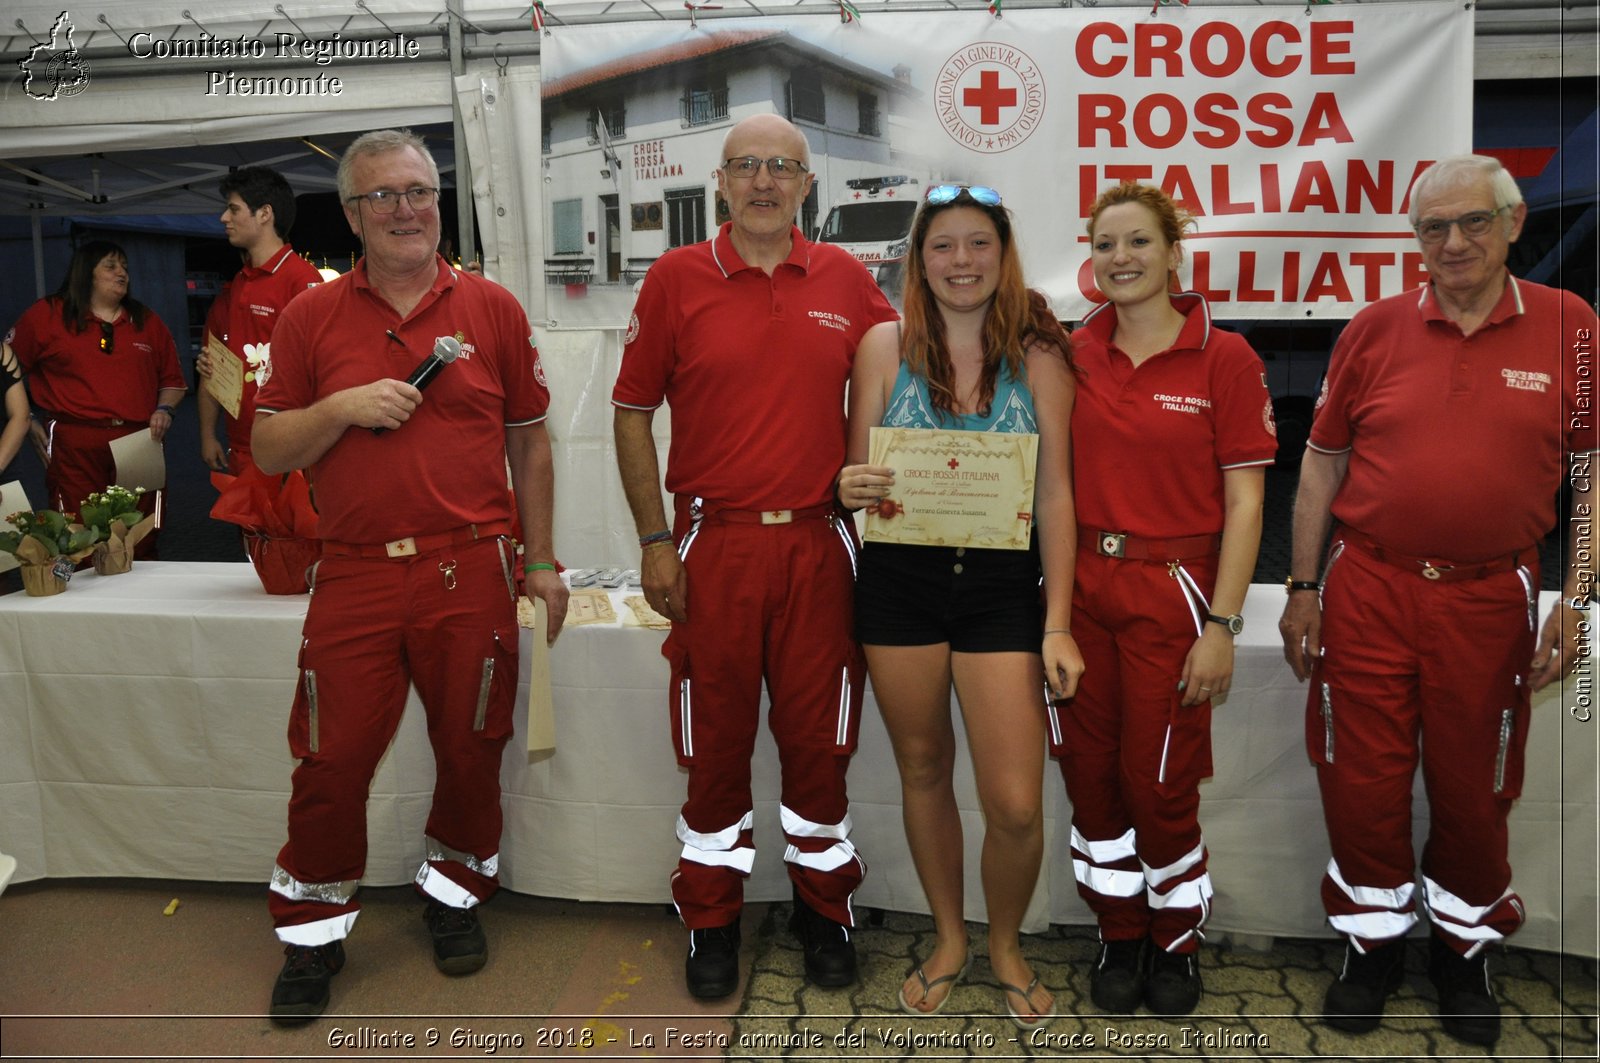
x: 1291, y: 585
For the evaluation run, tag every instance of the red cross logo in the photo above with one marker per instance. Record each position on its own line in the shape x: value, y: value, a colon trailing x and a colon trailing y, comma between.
x: 953, y: 463
x: 989, y: 97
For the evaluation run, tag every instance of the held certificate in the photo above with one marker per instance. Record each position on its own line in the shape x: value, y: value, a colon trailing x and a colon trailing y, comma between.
x: 226, y: 383
x: 954, y: 488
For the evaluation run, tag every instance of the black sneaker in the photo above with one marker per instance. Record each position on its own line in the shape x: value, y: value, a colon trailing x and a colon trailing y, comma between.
x: 1354, y: 1002
x: 830, y: 954
x: 712, y: 968
x: 1467, y: 1005
x: 1172, y: 983
x: 1116, y: 982
x: 301, y: 991
x: 459, y: 946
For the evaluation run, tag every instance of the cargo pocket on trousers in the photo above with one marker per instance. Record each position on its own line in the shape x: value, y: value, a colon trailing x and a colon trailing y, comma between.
x: 681, y: 699
x: 1186, y: 752
x: 492, y: 716
x: 304, y: 739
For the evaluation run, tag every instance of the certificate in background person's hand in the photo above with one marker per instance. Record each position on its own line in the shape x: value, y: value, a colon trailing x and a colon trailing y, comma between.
x: 225, y: 382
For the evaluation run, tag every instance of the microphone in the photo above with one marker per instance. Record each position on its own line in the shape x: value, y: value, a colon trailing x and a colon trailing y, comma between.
x: 446, y: 349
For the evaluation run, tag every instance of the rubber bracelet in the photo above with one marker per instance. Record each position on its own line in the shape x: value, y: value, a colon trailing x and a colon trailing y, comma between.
x: 166, y: 409
x: 662, y: 536
x: 1058, y: 631
x: 537, y: 566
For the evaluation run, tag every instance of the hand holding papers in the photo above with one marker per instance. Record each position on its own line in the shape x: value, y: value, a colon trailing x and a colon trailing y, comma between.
x: 954, y: 488
x: 225, y: 383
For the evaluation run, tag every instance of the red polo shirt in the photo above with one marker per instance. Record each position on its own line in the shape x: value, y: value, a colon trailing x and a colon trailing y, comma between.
x: 69, y: 374
x: 251, y: 302
x: 1150, y: 444
x: 753, y: 366
x: 446, y: 466
x: 1456, y: 442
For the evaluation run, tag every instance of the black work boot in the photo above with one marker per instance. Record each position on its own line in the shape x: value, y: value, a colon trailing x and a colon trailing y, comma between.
x: 1354, y: 1002
x: 459, y: 946
x: 1172, y: 986
x: 1116, y: 982
x: 1467, y: 1005
x: 712, y: 967
x: 301, y: 992
x: 830, y: 954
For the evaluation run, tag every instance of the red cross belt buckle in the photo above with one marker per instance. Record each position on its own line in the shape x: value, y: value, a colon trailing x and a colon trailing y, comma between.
x: 777, y: 516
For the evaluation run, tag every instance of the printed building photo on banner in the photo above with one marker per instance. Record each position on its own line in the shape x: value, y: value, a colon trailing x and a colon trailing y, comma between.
x: 1276, y: 127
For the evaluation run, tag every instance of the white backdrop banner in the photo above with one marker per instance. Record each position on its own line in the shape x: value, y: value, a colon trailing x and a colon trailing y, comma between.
x: 1291, y: 133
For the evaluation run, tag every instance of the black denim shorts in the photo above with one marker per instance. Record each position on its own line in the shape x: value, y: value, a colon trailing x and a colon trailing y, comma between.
x: 979, y: 601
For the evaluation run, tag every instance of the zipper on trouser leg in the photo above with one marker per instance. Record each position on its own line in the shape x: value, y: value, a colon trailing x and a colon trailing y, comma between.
x: 484, y: 683
x: 1500, y: 754
x: 310, y: 681
x: 1327, y: 724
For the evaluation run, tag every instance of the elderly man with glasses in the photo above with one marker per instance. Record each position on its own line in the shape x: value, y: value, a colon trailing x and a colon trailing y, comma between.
x: 1450, y: 418
x: 416, y: 579
x: 750, y: 337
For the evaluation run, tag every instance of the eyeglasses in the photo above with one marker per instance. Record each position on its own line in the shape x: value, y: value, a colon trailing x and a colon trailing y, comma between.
x: 939, y: 195
x: 386, y: 202
x: 1476, y: 223
x: 747, y: 166
x: 108, y: 337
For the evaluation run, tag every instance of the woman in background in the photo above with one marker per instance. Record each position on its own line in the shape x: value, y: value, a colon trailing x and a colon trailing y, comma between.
x: 1172, y: 428
x: 977, y: 352
x: 100, y: 364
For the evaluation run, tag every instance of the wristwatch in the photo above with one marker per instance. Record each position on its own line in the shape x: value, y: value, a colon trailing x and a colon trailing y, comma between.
x: 1291, y: 585
x: 1234, y: 623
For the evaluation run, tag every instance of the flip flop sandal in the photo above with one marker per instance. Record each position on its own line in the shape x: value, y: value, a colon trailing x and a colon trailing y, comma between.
x: 1040, y: 1019
x: 928, y: 988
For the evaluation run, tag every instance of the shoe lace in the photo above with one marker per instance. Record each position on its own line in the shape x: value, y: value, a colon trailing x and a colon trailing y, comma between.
x: 448, y: 920
x: 306, y: 959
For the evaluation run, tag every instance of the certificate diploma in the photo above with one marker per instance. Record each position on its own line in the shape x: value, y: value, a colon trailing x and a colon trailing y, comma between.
x: 954, y: 488
x: 226, y: 382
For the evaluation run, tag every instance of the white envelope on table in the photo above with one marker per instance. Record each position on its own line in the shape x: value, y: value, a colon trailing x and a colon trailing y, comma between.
x: 140, y: 461
x: 13, y: 499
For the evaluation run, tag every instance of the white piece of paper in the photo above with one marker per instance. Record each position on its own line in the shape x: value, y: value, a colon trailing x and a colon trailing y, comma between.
x: 140, y: 461
x: 541, y: 702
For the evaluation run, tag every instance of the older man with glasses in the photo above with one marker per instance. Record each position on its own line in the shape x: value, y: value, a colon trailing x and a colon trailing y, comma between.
x: 750, y: 337
x: 1449, y: 420
x: 416, y: 579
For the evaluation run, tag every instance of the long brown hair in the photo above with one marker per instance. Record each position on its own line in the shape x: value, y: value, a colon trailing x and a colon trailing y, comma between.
x: 1017, y: 317
x: 77, y: 288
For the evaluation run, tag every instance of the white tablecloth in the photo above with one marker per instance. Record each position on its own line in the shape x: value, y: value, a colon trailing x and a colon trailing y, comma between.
x: 142, y: 723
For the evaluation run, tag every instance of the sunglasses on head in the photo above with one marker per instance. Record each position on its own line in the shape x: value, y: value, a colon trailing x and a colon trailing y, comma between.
x: 939, y: 195
x: 108, y: 337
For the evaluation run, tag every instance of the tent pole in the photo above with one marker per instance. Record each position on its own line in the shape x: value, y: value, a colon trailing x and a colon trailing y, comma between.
x: 466, y: 232
x: 35, y: 225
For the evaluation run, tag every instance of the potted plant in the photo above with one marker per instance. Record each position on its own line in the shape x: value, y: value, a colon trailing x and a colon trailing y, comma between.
x: 47, y: 545
x: 118, y: 525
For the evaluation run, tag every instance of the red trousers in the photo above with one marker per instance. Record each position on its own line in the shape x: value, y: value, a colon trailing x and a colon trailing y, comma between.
x: 81, y: 464
x: 1132, y: 757
x: 1432, y: 671
x: 445, y: 620
x: 770, y: 601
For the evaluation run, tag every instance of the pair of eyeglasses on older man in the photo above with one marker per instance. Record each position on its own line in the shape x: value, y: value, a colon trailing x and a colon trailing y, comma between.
x: 747, y: 166
x: 1474, y: 223
x: 385, y: 202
